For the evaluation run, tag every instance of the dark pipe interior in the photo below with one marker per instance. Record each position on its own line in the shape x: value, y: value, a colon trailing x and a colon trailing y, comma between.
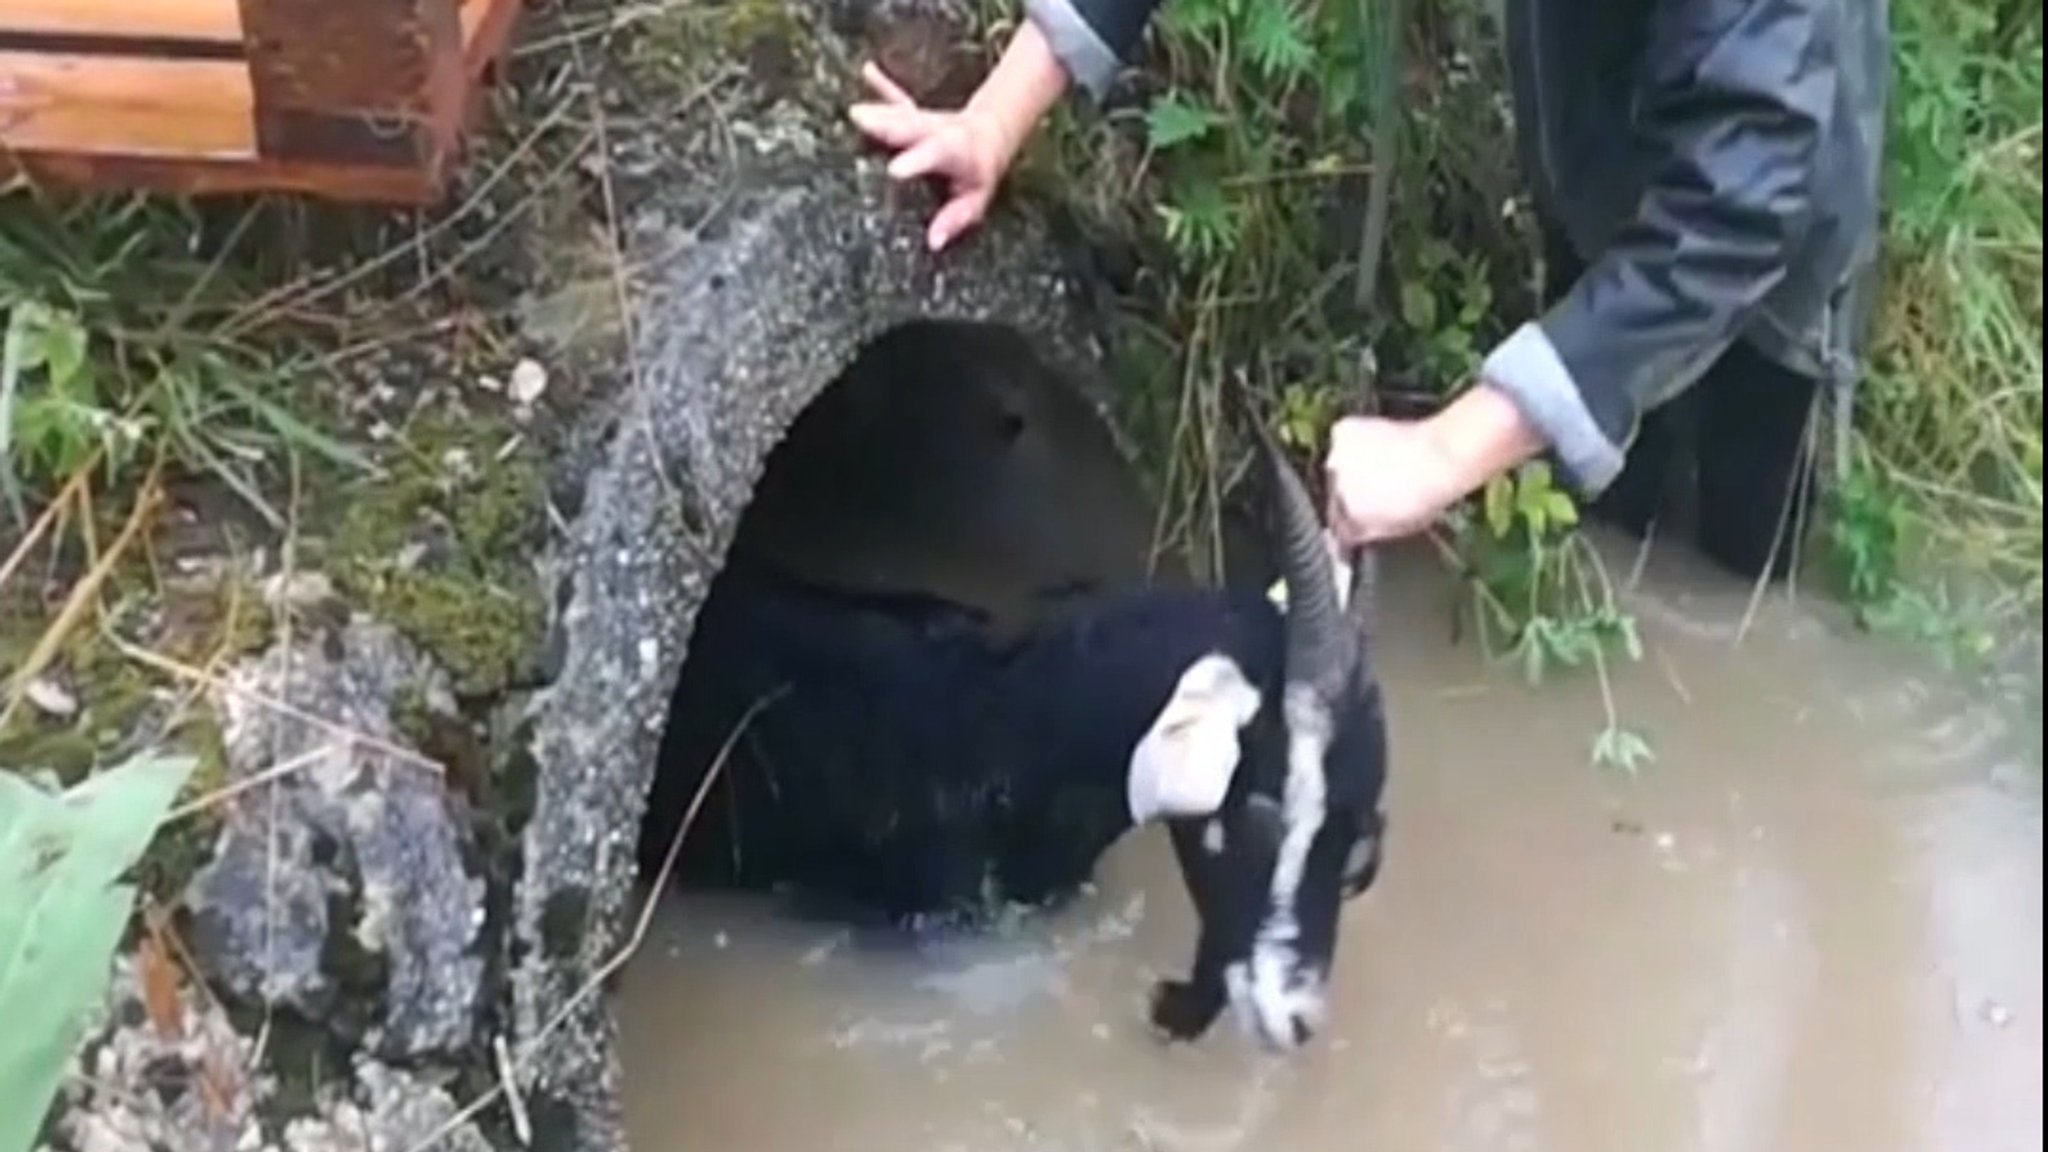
x: 948, y: 469
x: 949, y: 460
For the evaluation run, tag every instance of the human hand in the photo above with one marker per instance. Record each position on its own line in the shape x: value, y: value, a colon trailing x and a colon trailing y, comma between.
x: 967, y: 148
x: 1391, y: 478
x: 1387, y: 479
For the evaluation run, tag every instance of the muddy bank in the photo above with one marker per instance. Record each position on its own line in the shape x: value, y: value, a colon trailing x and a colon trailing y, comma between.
x: 1814, y: 923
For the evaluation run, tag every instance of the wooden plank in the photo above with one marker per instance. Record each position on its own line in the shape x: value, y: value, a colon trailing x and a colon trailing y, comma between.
x: 219, y: 20
x: 361, y: 100
x: 131, y: 105
x: 200, y: 176
x: 367, y: 56
x: 486, y: 27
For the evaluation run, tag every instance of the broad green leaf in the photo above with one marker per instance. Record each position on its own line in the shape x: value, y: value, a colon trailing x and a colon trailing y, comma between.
x: 1620, y: 748
x: 1561, y: 511
x: 1277, y: 40
x: 1418, y: 306
x: 1500, y: 511
x: 1174, y: 120
x: 63, y: 350
x: 61, y: 857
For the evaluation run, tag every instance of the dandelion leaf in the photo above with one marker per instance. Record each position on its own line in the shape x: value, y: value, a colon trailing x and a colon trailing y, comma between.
x: 61, y: 859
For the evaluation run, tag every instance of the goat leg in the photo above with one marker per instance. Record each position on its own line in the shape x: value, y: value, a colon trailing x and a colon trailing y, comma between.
x: 1185, y: 1009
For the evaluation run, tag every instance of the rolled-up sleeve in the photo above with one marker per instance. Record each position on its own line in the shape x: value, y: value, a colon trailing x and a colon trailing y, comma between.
x: 1735, y: 100
x: 1091, y: 38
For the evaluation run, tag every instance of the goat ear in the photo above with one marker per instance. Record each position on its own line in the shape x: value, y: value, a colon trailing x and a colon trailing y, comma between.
x: 1184, y: 764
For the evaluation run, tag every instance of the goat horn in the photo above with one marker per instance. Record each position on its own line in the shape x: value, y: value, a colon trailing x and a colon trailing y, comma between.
x: 1320, y: 644
x: 1358, y: 606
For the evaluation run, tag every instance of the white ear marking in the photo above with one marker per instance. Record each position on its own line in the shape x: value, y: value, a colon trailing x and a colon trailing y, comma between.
x: 1184, y: 763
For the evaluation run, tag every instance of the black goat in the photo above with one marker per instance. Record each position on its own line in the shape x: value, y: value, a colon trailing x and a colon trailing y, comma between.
x: 913, y: 765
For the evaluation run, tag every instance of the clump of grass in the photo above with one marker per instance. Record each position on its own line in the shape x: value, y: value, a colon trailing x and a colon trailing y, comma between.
x: 121, y: 345
x: 1940, y: 513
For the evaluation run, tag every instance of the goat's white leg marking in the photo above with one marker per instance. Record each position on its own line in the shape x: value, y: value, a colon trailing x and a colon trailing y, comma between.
x: 1213, y: 837
x: 1275, y: 993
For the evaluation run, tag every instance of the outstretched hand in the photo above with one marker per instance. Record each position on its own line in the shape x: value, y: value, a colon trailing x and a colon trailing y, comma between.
x: 1392, y: 478
x: 1386, y: 479
x: 966, y: 148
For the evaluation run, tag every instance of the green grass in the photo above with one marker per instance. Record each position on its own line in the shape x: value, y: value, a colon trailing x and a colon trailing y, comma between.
x: 1937, y: 531
x: 134, y: 331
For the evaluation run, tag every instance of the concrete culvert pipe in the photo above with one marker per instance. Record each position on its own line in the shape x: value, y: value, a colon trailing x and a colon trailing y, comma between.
x: 742, y: 336
x: 740, y: 328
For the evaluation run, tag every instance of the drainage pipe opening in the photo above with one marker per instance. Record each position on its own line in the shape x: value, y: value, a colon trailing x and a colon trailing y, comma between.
x: 946, y: 493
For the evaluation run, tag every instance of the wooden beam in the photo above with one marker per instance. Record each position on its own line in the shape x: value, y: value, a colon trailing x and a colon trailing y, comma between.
x: 349, y: 82
x: 199, y: 176
x: 128, y: 105
x: 347, y: 99
x: 486, y: 27
x: 215, y: 20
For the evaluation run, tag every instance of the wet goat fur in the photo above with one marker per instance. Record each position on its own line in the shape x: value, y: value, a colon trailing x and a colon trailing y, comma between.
x: 913, y: 766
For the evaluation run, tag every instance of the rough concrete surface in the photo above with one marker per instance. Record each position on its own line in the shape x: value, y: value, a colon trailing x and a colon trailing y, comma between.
x: 736, y: 335
x: 357, y: 850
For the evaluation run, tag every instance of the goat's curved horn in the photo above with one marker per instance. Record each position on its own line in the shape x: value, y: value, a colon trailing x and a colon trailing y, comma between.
x: 1320, y: 645
x: 1359, y: 610
x: 1358, y: 605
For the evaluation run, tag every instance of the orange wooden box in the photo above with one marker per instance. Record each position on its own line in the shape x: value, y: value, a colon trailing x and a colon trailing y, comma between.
x: 360, y: 100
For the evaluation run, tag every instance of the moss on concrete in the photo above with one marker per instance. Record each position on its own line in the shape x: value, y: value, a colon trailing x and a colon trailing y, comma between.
x: 125, y: 707
x: 771, y: 39
x: 439, y: 548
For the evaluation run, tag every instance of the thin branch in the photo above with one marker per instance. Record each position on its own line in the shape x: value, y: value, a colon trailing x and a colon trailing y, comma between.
x: 185, y: 671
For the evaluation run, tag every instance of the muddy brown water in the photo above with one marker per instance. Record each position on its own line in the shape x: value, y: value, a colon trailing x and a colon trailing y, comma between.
x: 1813, y: 924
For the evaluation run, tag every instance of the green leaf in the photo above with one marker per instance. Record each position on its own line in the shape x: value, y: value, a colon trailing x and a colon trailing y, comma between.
x: 1500, y: 509
x: 1418, y: 306
x: 1560, y: 509
x: 1619, y: 748
x: 1174, y: 120
x: 1276, y: 38
x: 25, y: 324
x: 63, y: 342
x: 61, y: 857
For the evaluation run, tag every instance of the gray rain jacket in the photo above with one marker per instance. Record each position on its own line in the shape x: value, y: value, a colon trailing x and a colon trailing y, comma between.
x: 1716, y: 162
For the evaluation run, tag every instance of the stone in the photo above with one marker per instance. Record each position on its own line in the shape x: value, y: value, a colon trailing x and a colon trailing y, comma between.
x: 340, y: 886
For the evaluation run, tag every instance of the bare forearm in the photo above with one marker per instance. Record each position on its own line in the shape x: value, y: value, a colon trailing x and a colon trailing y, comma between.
x: 1025, y: 83
x: 1480, y: 435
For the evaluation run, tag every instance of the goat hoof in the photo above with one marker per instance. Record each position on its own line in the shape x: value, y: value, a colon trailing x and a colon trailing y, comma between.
x: 1182, y: 1011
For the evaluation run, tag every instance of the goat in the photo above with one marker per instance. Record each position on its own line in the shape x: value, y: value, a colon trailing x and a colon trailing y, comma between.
x: 916, y: 766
